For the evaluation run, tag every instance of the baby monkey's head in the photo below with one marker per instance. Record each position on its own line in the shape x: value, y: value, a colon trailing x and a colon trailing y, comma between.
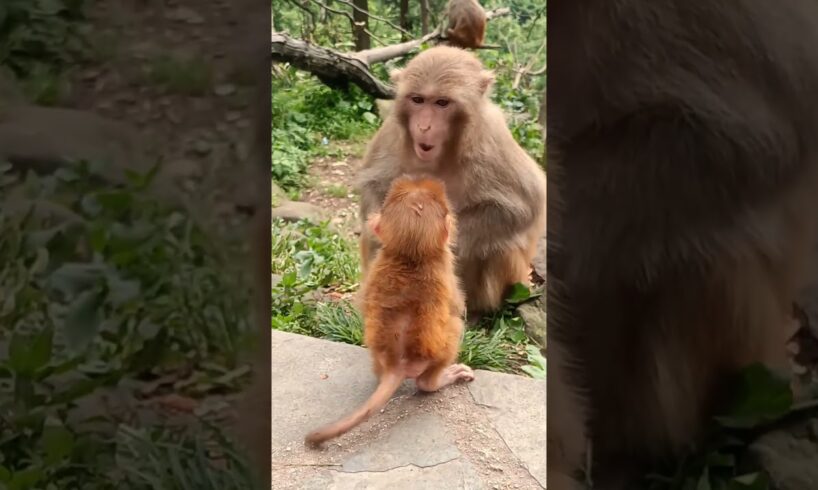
x: 415, y: 218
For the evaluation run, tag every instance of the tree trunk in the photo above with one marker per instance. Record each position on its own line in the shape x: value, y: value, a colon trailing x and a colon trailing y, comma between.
x: 424, y: 17
x: 404, y: 19
x: 542, y: 118
x: 361, y: 17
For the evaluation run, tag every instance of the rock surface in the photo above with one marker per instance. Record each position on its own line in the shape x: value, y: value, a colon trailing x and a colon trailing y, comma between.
x: 790, y: 455
x: 484, y: 435
x: 297, y: 210
x: 534, y: 316
x: 43, y: 137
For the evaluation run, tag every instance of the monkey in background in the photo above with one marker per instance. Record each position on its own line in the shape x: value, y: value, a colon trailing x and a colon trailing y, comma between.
x: 682, y: 160
x: 412, y: 303
x: 442, y: 123
x: 467, y: 24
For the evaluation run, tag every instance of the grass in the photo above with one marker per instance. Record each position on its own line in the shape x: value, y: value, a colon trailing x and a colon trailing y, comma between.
x: 313, y: 261
x: 337, y: 190
x: 180, y: 74
x: 91, y: 279
x: 307, y: 117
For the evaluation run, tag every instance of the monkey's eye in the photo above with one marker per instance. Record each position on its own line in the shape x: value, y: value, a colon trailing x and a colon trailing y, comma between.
x: 442, y: 102
x: 417, y: 100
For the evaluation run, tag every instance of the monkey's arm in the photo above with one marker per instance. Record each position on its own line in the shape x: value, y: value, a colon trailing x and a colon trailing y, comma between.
x: 485, y: 227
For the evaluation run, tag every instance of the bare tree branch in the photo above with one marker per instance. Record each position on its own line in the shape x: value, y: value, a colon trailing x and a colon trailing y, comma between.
x: 372, y: 16
x: 327, y: 64
x: 334, y: 67
x: 350, y: 17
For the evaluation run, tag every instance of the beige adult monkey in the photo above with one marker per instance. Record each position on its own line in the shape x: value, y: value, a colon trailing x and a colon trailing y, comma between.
x: 444, y: 124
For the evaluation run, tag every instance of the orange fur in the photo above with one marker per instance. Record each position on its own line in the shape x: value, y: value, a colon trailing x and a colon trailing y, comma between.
x: 411, y: 299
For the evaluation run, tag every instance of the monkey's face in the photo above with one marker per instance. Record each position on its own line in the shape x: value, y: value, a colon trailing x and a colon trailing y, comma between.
x: 429, y: 120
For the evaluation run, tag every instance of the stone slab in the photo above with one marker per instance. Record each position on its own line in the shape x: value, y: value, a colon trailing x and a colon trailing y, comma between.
x: 452, y: 475
x: 419, y: 441
x: 519, y: 411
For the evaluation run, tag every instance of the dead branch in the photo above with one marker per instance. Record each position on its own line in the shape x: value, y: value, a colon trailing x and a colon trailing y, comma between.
x: 350, y: 17
x: 327, y: 64
x: 373, y: 16
x: 336, y: 68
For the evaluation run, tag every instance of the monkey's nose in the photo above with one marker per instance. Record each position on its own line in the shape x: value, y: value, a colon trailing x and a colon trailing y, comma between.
x: 423, y: 130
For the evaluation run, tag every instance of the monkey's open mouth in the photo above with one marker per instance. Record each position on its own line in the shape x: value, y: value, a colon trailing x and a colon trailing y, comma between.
x: 425, y: 147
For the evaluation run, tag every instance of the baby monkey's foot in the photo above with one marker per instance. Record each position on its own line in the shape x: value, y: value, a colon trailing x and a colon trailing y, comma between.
x: 458, y: 372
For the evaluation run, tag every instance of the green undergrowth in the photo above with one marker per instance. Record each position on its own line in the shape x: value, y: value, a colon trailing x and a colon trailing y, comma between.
x: 103, y: 285
x: 39, y: 41
x: 312, y: 263
x: 307, y: 116
x: 759, y: 401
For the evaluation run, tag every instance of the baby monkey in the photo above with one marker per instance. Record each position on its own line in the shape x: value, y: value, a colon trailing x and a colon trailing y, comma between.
x: 411, y: 299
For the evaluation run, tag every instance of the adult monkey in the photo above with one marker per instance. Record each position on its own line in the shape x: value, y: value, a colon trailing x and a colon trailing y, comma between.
x: 682, y: 159
x: 444, y: 124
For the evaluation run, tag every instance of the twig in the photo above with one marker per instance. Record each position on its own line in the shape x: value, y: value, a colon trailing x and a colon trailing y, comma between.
x: 351, y: 19
x: 373, y: 16
x: 313, y: 22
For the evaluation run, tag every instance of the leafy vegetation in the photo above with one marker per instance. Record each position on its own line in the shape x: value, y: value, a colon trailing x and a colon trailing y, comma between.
x: 181, y: 74
x: 92, y: 295
x: 760, y: 398
x: 306, y: 116
x: 38, y: 40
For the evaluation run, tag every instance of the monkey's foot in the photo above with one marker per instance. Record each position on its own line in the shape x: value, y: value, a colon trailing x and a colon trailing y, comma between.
x: 457, y: 372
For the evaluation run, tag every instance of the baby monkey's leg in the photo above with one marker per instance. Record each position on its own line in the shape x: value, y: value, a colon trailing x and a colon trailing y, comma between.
x: 439, y: 376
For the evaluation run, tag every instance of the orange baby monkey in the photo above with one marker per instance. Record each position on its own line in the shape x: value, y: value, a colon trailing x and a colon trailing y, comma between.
x: 412, y: 302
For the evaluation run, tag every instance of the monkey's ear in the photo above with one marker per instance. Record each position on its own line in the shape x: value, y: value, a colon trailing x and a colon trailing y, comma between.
x: 485, y: 81
x: 395, y: 75
x: 374, y: 223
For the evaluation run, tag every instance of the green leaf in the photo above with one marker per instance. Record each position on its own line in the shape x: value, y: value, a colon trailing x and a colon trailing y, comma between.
x: 519, y: 293
x: 41, y: 238
x: 117, y: 201
x: 534, y: 371
x: 27, y: 355
x: 26, y: 479
x: 717, y: 459
x: 121, y: 291
x: 370, y: 118
x: 288, y: 280
x: 751, y: 481
x: 57, y: 441
x: 518, y: 336
x: 82, y: 320
x: 147, y: 329
x: 760, y: 397
x: 704, y: 480
x: 40, y: 262
x: 72, y: 278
